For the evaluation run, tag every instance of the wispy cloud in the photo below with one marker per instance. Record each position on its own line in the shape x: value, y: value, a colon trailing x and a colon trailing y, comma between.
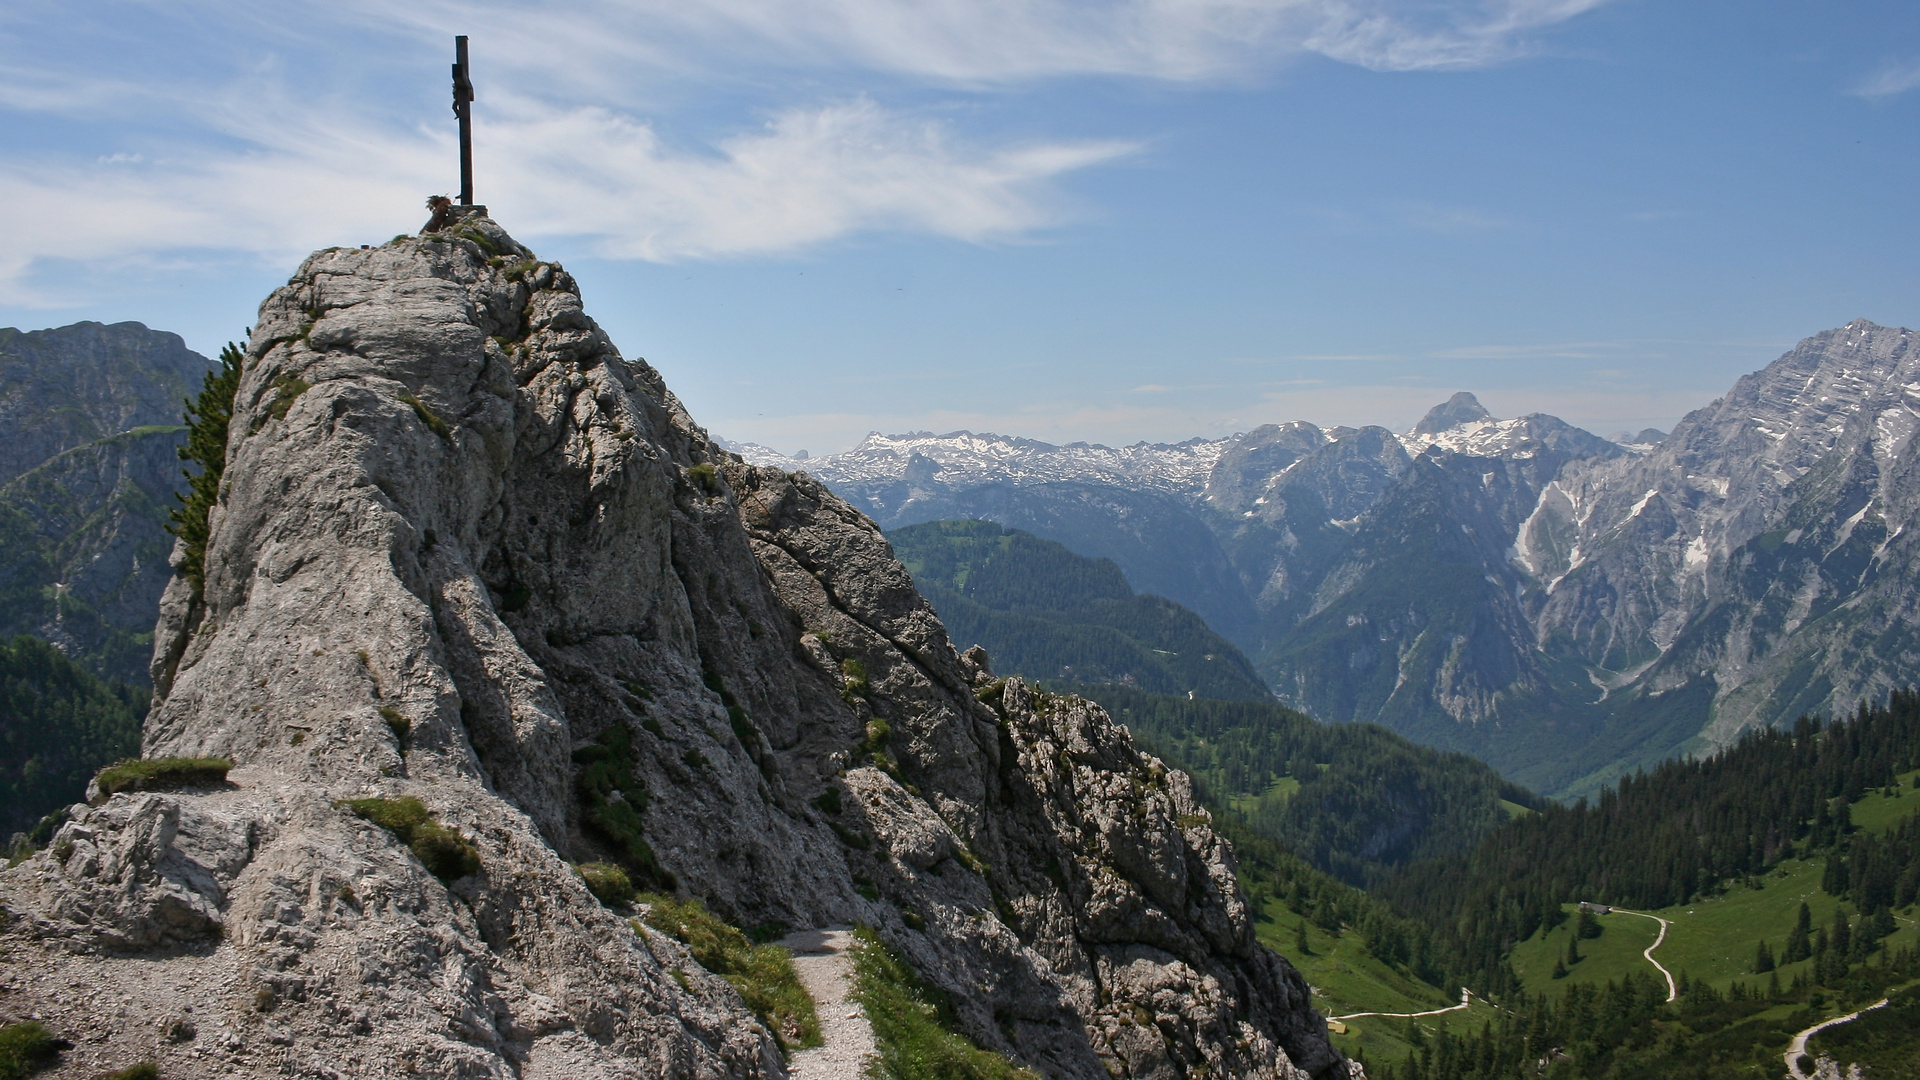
x: 1890, y: 80
x: 261, y: 135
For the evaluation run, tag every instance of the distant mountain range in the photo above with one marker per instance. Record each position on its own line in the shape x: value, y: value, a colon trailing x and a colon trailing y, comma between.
x: 1562, y: 605
x: 87, y: 476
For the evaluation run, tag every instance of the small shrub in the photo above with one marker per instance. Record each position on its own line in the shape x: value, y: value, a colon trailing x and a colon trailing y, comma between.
x: 865, y: 887
x: 653, y: 727
x: 434, y: 423
x: 856, y: 675
x: 445, y: 853
x: 913, y: 1026
x: 25, y: 1048
x: 829, y: 800
x: 607, y: 882
x: 298, y: 738
x: 161, y: 774
x: 694, y: 759
x: 637, y: 689
x: 615, y: 800
x: 288, y: 388
x: 401, y: 726
x: 146, y: 1070
x: 913, y: 919
x: 763, y: 974
x: 703, y: 477
x: 853, y: 838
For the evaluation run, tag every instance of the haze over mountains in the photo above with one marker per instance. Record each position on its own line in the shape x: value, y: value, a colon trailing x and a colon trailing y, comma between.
x: 1562, y: 605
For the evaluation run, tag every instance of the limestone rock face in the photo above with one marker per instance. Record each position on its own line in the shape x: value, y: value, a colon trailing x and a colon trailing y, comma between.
x: 462, y: 547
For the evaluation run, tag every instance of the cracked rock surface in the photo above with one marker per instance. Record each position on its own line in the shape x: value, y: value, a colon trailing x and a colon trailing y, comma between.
x: 461, y: 544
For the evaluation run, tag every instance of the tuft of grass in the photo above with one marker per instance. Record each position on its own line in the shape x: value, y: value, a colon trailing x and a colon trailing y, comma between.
x: 857, y: 685
x: 913, y: 1026
x: 25, y: 1048
x: 161, y: 774
x: 288, y: 388
x: 428, y: 417
x: 146, y: 1070
x: 607, y: 882
x: 402, y: 727
x: 763, y: 974
x: 445, y: 853
x: 704, y: 477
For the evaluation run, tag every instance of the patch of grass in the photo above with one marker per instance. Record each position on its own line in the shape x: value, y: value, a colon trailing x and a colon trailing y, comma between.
x: 428, y: 417
x: 288, y: 388
x: 161, y: 774
x: 401, y: 726
x: 445, y: 853
x: 25, y: 1048
x: 763, y: 974
x: 146, y: 1070
x: 913, y: 1026
x: 857, y: 685
x: 607, y: 882
x: 703, y: 477
x: 615, y: 800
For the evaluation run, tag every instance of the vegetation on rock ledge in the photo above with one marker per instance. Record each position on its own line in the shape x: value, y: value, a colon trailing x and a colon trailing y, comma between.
x: 207, y: 418
x: 763, y: 974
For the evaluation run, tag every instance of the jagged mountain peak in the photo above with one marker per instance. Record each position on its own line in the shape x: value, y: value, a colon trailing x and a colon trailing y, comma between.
x: 1457, y: 411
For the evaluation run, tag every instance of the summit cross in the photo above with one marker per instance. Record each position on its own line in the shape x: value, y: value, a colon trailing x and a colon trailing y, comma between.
x: 463, y: 108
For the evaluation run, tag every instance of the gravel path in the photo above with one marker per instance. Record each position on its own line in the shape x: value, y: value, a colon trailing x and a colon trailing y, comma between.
x: 1466, y: 997
x: 820, y: 958
x: 1799, y: 1044
x: 1673, y: 991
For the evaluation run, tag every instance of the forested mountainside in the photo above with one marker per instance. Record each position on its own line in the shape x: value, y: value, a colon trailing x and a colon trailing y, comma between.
x: 88, y: 476
x: 485, y: 623
x: 1044, y: 612
x: 58, y: 725
x: 1565, y: 607
x: 1354, y: 800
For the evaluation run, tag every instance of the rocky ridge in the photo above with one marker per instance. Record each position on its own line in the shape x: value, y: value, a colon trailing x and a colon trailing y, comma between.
x: 463, y: 548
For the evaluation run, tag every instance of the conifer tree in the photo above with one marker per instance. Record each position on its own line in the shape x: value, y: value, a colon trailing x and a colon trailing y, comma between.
x: 1573, y: 949
x: 1799, y: 945
x: 1762, y: 958
x: 207, y: 418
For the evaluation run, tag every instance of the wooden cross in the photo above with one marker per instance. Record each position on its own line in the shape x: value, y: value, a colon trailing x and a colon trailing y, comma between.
x: 463, y: 108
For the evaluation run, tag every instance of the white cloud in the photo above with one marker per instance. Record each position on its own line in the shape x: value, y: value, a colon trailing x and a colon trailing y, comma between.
x: 991, y: 41
x: 1890, y: 80
x: 808, y: 176
x: 252, y: 133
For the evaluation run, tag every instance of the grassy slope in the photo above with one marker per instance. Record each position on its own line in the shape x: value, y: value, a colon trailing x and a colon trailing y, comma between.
x: 1714, y: 939
x: 1346, y: 979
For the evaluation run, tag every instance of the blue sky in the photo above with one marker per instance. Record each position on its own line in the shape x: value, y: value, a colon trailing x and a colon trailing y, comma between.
x: 1105, y: 221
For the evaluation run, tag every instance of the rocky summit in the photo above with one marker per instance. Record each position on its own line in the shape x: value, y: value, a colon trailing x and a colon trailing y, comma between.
x: 465, y: 553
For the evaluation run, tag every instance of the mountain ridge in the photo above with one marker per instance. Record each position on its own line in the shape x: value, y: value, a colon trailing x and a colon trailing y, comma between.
x: 1569, y: 598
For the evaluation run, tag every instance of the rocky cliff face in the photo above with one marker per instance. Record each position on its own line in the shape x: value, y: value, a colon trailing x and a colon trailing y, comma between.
x: 464, y: 548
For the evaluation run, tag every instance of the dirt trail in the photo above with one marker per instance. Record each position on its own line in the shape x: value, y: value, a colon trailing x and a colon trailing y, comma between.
x: 1673, y: 991
x: 820, y: 959
x: 1465, y: 1000
x: 1799, y: 1044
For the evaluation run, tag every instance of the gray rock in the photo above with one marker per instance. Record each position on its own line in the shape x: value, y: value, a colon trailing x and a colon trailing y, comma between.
x: 450, y: 501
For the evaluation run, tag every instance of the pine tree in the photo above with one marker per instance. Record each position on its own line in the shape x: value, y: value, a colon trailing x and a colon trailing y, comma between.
x: 1573, y: 949
x: 1585, y: 925
x: 207, y: 418
x: 1300, y: 938
x: 1559, y: 968
x: 1841, y: 938
x: 1799, y: 945
x: 1762, y: 958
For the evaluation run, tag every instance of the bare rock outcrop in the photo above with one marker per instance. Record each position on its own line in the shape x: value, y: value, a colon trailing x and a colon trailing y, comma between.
x: 464, y: 549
